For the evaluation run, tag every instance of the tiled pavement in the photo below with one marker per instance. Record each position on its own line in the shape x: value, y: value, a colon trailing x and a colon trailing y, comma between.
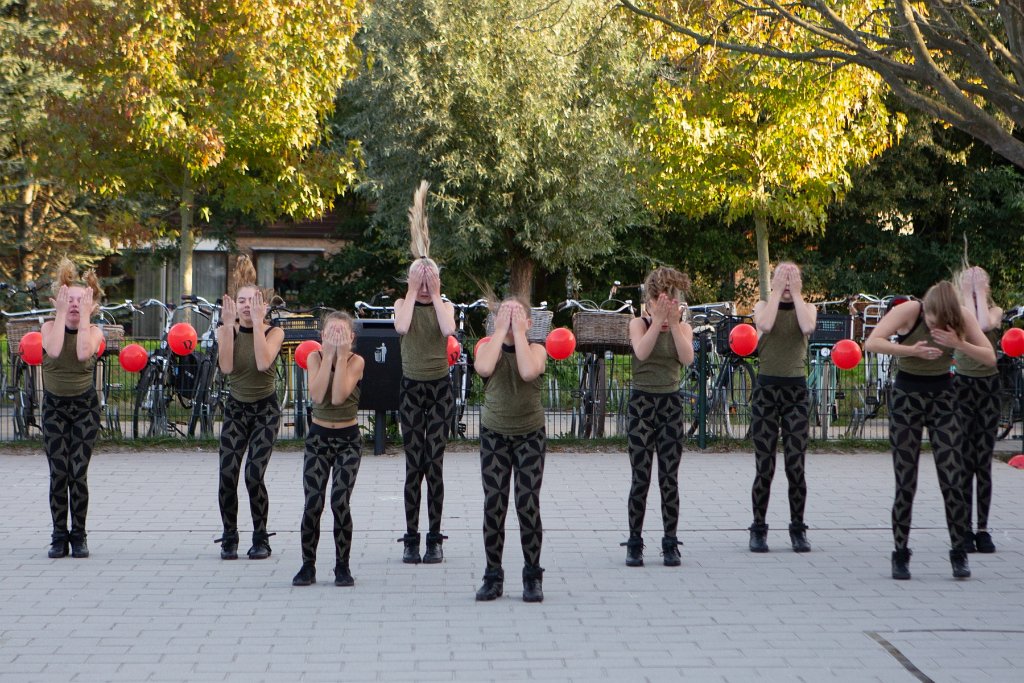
x: 155, y: 602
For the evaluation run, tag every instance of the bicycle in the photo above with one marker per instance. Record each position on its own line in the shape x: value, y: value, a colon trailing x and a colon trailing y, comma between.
x: 211, y: 384
x: 879, y: 369
x: 24, y: 384
x: 298, y: 326
x: 107, y: 390
x: 461, y: 371
x: 600, y: 333
x: 1011, y: 383
x: 823, y: 377
x: 719, y: 386
x: 166, y: 377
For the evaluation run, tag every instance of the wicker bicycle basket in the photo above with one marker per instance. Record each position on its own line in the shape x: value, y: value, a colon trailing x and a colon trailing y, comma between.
x: 16, y: 329
x: 114, y: 336
x: 539, y: 327
x: 600, y: 331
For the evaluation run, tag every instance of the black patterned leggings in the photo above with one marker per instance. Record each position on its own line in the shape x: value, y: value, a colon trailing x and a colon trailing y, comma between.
x: 70, y: 425
x: 253, y: 427
x: 909, y: 413
x: 424, y: 410
x: 499, y: 455
x: 978, y: 403
x: 655, y: 424
x: 778, y: 407
x: 329, y: 452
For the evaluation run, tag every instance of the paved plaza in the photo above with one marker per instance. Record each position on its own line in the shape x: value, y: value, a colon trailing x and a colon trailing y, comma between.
x: 155, y: 602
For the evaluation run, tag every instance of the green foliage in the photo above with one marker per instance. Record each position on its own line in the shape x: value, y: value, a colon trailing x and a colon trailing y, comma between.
x: 512, y: 109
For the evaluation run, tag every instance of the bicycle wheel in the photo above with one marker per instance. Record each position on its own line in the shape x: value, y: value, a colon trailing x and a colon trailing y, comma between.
x: 303, y: 414
x: 599, y: 390
x: 738, y: 385
x: 24, y: 398
x: 460, y: 387
x: 1011, y: 399
x: 149, y: 418
x: 199, y: 404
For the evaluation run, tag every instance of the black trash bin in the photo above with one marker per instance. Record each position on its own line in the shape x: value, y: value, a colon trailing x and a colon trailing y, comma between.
x: 380, y: 346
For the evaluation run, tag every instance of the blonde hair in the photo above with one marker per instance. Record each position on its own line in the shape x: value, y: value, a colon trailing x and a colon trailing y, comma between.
x: 242, y: 275
x: 943, y: 303
x: 419, y: 230
x: 976, y: 280
x: 668, y: 281
x: 67, y: 275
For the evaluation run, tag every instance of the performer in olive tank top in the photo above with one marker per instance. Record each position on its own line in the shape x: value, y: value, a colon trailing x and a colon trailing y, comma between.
x: 424, y: 320
x: 977, y: 392
x: 333, y: 445
x: 71, y: 409
x: 247, y: 351
x: 927, y: 334
x: 512, y: 437
x: 662, y: 344
x: 779, y: 402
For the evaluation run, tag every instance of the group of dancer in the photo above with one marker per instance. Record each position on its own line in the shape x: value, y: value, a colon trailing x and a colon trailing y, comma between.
x: 953, y: 324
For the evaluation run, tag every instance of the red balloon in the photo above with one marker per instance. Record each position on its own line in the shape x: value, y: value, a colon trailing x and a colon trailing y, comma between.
x: 561, y: 342
x: 476, y: 349
x: 1013, y: 342
x: 182, y: 339
x: 133, y: 358
x: 1017, y: 461
x: 454, y: 350
x: 743, y: 339
x: 303, y: 350
x: 103, y: 346
x: 846, y: 354
x: 31, y: 348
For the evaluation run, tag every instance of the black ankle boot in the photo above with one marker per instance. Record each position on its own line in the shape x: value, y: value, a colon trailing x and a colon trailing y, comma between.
x: 494, y: 585
x: 758, y: 538
x: 798, y: 537
x: 670, y: 551
x: 260, y: 549
x: 901, y: 564
x: 411, y: 554
x: 634, y: 551
x: 533, y: 580
x: 983, y: 542
x: 228, y: 545
x: 58, y: 545
x: 306, y: 575
x: 342, y: 576
x: 958, y: 558
x: 434, y: 554
x: 79, y: 548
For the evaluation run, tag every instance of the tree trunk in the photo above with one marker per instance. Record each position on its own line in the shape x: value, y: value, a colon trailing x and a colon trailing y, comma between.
x: 23, y: 269
x: 187, y: 210
x: 761, y: 237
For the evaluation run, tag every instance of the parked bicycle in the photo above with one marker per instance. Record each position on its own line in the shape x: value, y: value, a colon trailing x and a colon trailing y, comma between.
x: 299, y: 325
x: 211, y: 384
x: 823, y: 376
x: 461, y: 372
x: 717, y: 389
x: 108, y: 389
x: 24, y: 383
x: 1011, y: 382
x: 601, y: 331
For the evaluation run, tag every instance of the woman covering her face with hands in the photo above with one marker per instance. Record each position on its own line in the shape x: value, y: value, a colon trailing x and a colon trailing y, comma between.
x: 424, y: 320
x: 779, y: 402
x: 512, y: 438
x: 927, y: 335
x: 332, y: 446
x: 662, y: 345
x: 71, y: 409
x: 247, y: 350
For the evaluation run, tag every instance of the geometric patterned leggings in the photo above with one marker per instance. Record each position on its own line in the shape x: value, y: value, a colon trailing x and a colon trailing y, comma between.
x: 909, y: 413
x: 978, y: 402
x: 248, y: 426
x: 70, y: 425
x: 329, y: 450
x: 655, y: 424
x: 423, y: 409
x: 775, y: 407
x: 499, y: 456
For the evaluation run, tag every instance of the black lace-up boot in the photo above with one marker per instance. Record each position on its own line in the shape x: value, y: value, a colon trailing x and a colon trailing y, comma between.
x: 79, y: 548
x: 306, y: 575
x: 798, y: 537
x: 901, y: 564
x: 758, y: 538
x: 634, y: 551
x: 411, y: 554
x: 493, y: 586
x: 670, y: 551
x: 958, y: 558
x: 58, y: 545
x: 228, y: 545
x: 533, y: 580
x: 260, y: 549
x: 434, y: 553
x: 342, y: 576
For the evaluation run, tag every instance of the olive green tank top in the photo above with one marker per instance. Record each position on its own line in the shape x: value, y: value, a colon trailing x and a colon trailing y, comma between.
x: 65, y: 375
x: 511, y: 406
x: 923, y: 366
x: 424, y: 348
x: 343, y: 412
x: 782, y: 352
x: 246, y: 382
x: 968, y: 367
x: 659, y: 374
